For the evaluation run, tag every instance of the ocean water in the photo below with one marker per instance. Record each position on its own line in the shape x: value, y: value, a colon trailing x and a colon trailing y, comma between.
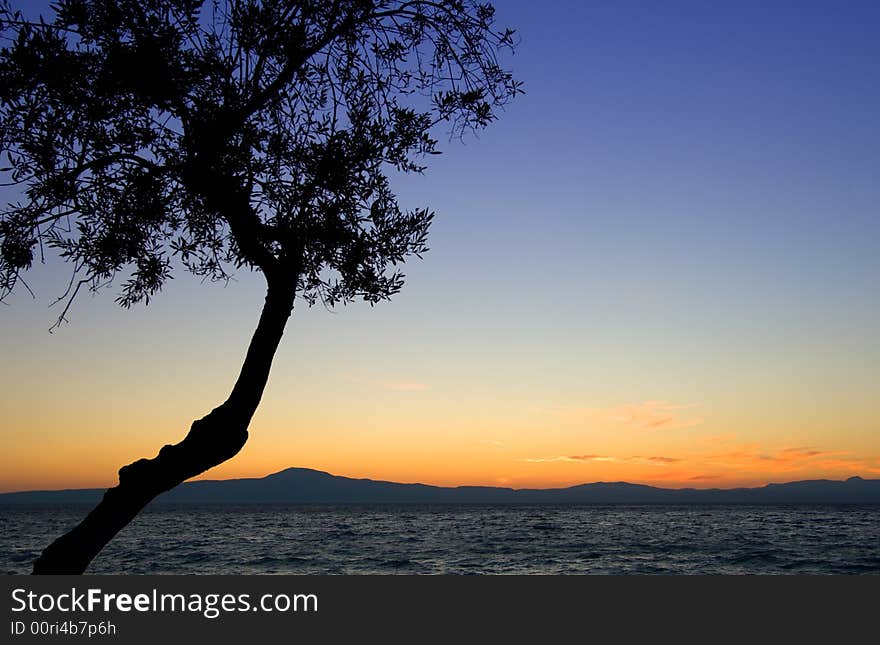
x: 438, y: 539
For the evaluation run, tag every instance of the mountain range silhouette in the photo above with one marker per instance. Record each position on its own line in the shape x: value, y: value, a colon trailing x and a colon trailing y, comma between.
x: 307, y: 486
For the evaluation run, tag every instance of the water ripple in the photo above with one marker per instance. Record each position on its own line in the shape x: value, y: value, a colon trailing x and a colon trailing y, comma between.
x: 437, y: 539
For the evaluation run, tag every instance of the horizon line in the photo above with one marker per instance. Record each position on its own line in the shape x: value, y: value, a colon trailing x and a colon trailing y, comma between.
x: 416, y: 483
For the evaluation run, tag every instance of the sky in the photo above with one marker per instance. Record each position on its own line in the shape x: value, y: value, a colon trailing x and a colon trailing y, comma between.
x: 659, y: 266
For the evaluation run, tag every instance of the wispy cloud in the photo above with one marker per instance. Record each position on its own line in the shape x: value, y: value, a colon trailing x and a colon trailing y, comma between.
x: 653, y: 415
x: 725, y: 461
x: 647, y: 415
x: 545, y: 460
x: 651, y: 461
x: 568, y: 458
x: 660, y: 460
x: 492, y: 443
x: 807, y: 460
x: 805, y: 453
x: 793, y: 457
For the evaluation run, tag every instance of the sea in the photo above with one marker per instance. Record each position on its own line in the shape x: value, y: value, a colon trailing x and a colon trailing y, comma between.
x: 465, y: 539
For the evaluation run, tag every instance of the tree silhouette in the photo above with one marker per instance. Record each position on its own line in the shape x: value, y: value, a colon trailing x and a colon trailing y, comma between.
x: 144, y: 135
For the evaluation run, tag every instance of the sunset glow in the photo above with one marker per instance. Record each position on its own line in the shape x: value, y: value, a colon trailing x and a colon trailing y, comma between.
x: 660, y: 266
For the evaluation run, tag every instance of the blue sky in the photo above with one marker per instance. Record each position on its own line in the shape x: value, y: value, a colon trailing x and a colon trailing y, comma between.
x: 681, y: 208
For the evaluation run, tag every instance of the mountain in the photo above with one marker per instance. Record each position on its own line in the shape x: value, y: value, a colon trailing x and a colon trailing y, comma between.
x: 306, y: 486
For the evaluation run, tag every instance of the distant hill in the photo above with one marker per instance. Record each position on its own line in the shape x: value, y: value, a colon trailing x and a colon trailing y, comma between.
x: 306, y: 486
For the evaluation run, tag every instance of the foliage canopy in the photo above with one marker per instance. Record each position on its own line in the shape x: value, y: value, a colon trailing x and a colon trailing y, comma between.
x: 138, y: 135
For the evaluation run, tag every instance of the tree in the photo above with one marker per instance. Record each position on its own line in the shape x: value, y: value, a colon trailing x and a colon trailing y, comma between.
x: 141, y: 136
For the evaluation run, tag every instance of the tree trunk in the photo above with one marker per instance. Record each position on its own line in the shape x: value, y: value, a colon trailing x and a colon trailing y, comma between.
x: 210, y: 441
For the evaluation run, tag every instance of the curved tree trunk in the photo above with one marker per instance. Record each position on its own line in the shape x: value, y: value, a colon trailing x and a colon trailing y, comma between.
x: 210, y: 441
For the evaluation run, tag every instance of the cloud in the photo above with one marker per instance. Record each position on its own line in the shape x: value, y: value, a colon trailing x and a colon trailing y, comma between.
x: 807, y: 460
x: 547, y: 460
x: 652, y: 415
x: 795, y: 457
x: 492, y: 443
x: 730, y: 463
x: 805, y: 453
x: 647, y: 415
x: 568, y: 458
x: 662, y: 460
x: 651, y: 461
